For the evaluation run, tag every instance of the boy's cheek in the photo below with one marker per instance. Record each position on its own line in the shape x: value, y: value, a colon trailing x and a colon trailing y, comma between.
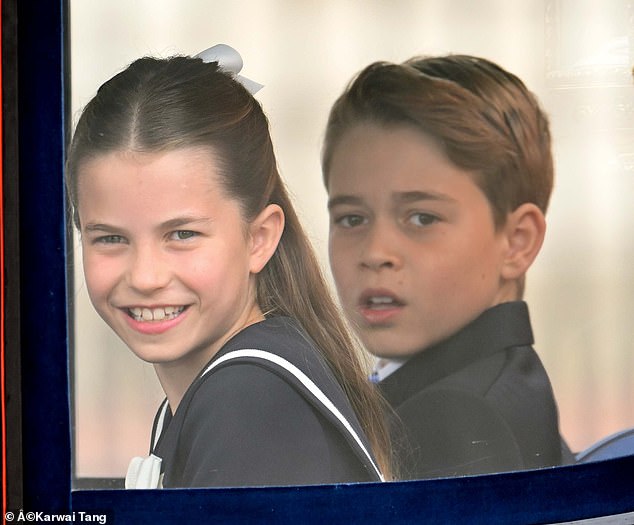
x: 341, y: 251
x: 341, y: 274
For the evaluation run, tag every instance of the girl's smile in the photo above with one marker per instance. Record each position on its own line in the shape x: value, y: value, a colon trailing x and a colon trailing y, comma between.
x: 163, y: 313
x: 169, y: 259
x: 155, y: 320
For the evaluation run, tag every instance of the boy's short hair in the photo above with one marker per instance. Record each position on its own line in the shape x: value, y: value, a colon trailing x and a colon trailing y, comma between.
x: 483, y: 117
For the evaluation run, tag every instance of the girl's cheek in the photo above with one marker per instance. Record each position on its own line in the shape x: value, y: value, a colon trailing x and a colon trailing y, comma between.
x: 99, y: 272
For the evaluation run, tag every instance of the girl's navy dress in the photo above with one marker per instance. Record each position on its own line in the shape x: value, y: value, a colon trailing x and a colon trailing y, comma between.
x: 267, y: 410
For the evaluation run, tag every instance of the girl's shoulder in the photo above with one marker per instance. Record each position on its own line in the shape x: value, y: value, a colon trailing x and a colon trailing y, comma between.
x: 273, y: 368
x: 282, y: 347
x: 282, y: 335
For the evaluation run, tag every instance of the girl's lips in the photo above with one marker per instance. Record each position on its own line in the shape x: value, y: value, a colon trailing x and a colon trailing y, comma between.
x: 154, y: 320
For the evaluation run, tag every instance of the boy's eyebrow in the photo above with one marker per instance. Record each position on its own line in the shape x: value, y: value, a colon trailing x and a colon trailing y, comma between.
x: 344, y: 199
x: 414, y: 196
x: 402, y: 197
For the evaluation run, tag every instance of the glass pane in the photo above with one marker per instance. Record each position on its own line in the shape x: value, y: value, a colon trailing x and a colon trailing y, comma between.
x: 576, y: 55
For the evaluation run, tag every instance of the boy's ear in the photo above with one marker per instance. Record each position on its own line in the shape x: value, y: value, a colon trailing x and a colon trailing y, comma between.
x: 524, y: 229
x: 265, y: 231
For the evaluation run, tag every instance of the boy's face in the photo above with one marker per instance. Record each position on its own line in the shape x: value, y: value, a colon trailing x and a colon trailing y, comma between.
x: 413, y: 247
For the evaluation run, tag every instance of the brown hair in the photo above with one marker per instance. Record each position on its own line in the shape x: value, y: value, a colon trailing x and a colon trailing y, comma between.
x: 164, y: 104
x: 483, y: 117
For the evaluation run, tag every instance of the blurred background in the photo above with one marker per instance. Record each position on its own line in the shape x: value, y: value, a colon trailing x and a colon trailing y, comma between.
x: 576, y: 55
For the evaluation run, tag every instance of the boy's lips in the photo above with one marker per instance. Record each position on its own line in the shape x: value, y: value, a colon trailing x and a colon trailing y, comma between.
x: 378, y: 306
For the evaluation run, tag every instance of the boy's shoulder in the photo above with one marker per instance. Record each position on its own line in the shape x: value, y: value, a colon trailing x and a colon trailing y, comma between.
x: 485, y: 393
x: 506, y: 382
x: 471, y: 359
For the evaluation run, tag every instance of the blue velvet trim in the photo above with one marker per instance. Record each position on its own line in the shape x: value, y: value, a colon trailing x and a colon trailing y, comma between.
x: 544, y: 496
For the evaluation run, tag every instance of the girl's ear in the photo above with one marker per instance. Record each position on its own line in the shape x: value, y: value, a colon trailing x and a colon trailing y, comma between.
x: 524, y: 230
x: 265, y: 233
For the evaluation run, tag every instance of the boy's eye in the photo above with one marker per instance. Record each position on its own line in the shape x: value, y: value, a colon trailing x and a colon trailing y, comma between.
x: 422, y: 219
x: 350, y: 221
x: 182, y: 235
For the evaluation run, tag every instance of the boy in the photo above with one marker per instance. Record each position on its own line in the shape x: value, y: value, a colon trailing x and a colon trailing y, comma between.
x: 439, y: 172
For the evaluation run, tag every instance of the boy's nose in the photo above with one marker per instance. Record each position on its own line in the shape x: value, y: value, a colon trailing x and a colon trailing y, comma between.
x: 380, y: 250
x: 148, y: 271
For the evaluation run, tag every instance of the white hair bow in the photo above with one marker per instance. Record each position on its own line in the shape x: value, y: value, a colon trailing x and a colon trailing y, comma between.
x: 229, y: 60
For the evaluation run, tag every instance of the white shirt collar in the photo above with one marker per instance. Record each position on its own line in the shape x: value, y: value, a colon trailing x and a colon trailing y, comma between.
x: 385, y: 367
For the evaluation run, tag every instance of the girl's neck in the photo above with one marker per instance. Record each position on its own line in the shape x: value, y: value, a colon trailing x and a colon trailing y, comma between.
x: 175, y: 380
x: 177, y: 376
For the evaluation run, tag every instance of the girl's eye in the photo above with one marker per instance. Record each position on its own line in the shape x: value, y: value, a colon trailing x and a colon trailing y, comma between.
x: 182, y: 235
x: 350, y: 221
x: 109, y: 239
x: 422, y: 219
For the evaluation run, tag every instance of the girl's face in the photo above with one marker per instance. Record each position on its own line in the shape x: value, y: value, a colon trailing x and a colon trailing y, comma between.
x: 413, y: 247
x: 169, y: 261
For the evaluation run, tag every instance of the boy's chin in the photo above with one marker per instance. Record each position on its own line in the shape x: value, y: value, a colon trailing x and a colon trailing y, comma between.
x: 390, y: 352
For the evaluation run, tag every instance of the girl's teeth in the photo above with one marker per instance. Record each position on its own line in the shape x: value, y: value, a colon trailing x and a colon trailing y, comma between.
x: 136, y: 312
x: 155, y: 314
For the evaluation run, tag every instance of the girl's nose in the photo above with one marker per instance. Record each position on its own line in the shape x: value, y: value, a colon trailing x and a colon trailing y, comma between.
x: 148, y: 270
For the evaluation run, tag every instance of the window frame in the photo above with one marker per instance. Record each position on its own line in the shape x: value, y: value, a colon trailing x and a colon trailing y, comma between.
x: 44, y: 471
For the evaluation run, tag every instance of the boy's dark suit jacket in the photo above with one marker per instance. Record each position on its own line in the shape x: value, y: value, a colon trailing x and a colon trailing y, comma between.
x: 476, y: 403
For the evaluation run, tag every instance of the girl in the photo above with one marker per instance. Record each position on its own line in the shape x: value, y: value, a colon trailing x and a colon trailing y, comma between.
x: 194, y: 256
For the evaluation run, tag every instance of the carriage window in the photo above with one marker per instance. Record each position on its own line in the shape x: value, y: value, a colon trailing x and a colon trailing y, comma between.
x: 576, y: 55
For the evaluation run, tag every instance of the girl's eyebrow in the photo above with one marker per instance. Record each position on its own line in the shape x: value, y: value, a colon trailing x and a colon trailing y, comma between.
x: 177, y: 222
x: 98, y: 227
